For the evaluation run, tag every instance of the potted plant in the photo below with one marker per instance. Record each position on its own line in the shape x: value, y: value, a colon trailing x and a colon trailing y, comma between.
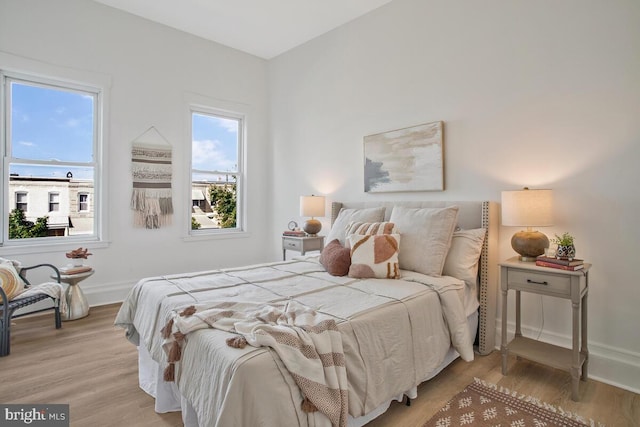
x: 566, y: 249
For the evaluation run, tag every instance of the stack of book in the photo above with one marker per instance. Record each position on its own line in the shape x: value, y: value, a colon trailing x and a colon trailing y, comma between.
x: 294, y: 233
x: 70, y: 269
x: 560, y: 263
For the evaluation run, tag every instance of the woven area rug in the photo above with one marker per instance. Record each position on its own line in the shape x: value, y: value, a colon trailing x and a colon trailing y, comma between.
x: 482, y: 404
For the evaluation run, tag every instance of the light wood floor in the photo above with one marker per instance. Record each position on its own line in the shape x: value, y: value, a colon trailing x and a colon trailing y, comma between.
x: 91, y: 366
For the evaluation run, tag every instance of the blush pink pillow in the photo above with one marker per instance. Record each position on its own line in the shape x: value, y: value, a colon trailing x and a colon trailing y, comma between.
x: 335, y: 258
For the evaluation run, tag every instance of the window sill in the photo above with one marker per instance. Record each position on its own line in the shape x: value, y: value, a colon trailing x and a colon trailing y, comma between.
x: 57, y: 247
x: 217, y: 235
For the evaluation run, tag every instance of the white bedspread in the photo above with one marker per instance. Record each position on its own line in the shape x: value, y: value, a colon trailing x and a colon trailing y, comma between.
x: 394, y: 333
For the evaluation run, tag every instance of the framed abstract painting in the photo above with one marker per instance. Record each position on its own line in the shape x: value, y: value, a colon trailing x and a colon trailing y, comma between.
x: 409, y: 159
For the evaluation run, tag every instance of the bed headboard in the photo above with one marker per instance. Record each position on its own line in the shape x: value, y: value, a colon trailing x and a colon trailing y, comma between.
x: 471, y: 214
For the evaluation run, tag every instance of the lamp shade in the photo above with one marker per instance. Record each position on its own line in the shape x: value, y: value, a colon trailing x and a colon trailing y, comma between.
x: 527, y: 208
x: 312, y: 206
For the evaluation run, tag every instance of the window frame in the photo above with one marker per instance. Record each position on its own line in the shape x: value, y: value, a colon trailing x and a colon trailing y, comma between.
x: 233, y: 113
x: 53, y: 78
x: 87, y: 202
x: 55, y: 203
x: 25, y: 203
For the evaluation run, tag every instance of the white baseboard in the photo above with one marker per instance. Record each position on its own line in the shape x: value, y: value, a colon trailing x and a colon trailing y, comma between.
x: 611, y: 365
x: 97, y: 294
x: 110, y: 293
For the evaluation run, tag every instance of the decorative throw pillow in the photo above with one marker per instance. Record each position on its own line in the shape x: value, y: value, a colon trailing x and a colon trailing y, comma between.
x: 464, y: 255
x: 335, y: 258
x: 339, y: 228
x: 370, y: 228
x: 12, y: 284
x: 426, y: 237
x: 374, y: 256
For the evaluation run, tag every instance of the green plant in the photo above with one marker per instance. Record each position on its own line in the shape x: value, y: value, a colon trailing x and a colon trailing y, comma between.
x: 195, y: 225
x: 223, y: 201
x: 20, y: 228
x: 565, y: 240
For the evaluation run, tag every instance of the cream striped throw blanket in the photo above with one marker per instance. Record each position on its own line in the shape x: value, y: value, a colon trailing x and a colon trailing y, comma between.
x: 308, y: 343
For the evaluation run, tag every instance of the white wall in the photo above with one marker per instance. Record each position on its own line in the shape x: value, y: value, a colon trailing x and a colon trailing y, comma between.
x: 544, y: 94
x: 151, y: 70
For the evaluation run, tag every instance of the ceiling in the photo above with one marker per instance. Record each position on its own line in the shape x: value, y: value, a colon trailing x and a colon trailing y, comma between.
x: 265, y: 28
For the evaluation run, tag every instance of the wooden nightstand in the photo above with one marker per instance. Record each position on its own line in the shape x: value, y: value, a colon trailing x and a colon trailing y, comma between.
x: 572, y: 285
x: 301, y: 244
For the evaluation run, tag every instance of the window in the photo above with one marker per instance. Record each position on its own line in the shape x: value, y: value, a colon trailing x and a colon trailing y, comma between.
x: 83, y: 202
x: 51, y: 140
x: 54, y: 202
x: 21, y: 201
x: 216, y: 171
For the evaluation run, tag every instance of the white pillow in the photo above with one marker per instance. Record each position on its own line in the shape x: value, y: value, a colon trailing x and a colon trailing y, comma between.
x: 426, y: 237
x: 374, y: 256
x: 346, y: 216
x: 464, y: 255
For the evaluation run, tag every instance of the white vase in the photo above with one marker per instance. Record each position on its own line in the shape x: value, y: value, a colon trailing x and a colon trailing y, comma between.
x: 77, y: 262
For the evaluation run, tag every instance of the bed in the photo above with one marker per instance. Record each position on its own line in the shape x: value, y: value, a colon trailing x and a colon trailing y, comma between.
x: 395, y: 333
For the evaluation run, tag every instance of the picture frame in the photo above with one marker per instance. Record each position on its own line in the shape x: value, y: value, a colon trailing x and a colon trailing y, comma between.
x: 408, y: 159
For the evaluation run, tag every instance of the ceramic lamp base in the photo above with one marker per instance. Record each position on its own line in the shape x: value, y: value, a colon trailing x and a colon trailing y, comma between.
x: 312, y: 227
x: 529, y: 244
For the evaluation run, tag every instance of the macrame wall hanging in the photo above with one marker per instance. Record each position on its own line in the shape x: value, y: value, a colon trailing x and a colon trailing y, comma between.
x: 151, y: 169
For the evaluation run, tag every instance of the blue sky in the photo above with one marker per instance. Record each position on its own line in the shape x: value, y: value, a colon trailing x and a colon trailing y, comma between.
x: 48, y: 123
x: 215, y: 144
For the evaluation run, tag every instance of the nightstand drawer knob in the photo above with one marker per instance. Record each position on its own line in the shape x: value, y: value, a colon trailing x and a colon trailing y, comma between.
x: 537, y: 283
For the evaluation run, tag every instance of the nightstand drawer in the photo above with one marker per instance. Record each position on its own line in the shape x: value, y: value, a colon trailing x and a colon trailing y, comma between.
x: 539, y: 282
x: 294, y: 245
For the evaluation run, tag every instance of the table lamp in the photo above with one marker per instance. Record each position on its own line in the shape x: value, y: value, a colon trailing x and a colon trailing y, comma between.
x: 312, y: 206
x: 528, y: 208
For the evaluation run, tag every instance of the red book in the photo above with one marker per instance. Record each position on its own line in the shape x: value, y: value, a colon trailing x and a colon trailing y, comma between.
x: 559, y: 266
x: 560, y: 261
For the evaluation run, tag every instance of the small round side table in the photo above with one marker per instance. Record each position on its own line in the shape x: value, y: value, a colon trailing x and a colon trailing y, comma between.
x: 77, y: 304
